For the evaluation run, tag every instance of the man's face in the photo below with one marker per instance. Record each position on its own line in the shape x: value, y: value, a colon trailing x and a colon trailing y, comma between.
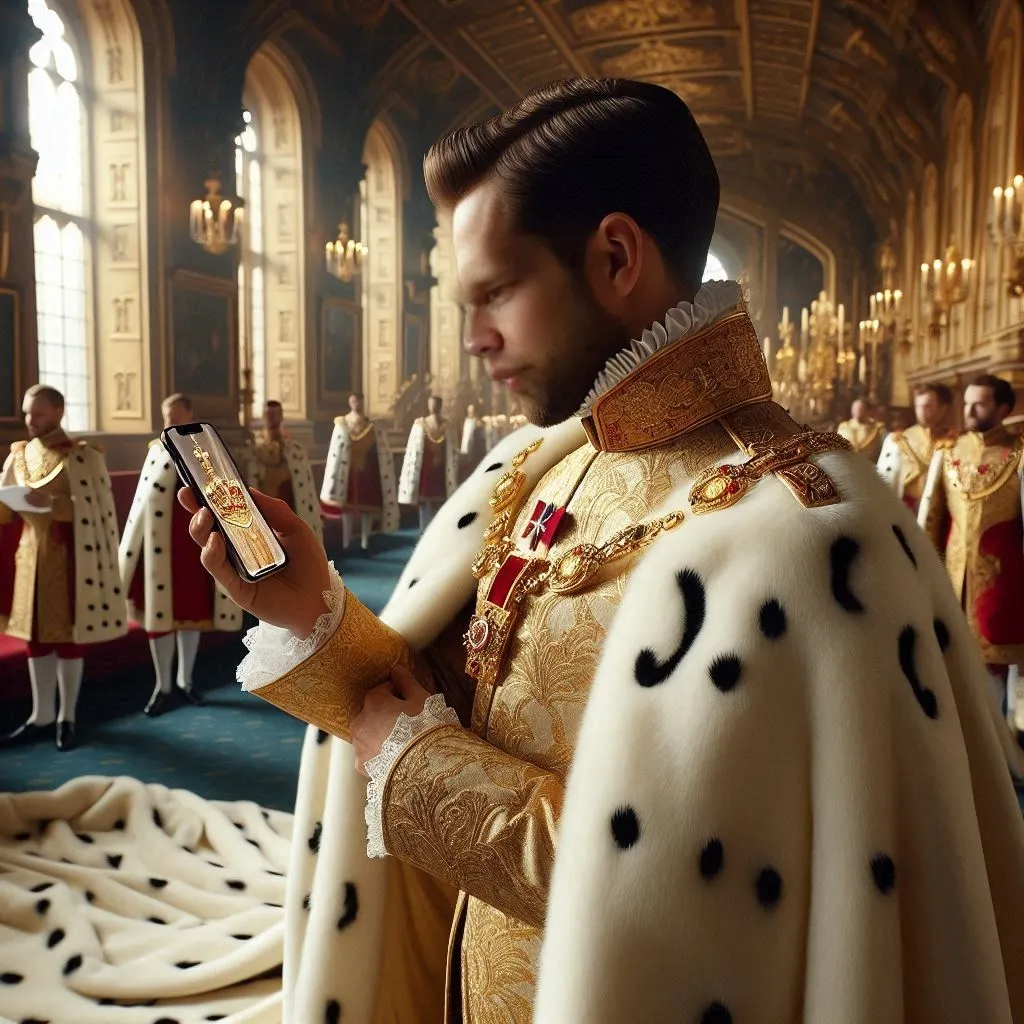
x: 176, y: 415
x: 41, y: 415
x: 272, y: 416
x: 928, y: 410
x: 980, y: 410
x: 859, y: 411
x: 534, y: 324
x: 355, y: 403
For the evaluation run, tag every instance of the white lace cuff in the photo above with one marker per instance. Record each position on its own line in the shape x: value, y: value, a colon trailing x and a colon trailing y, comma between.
x: 275, y: 651
x: 435, y: 712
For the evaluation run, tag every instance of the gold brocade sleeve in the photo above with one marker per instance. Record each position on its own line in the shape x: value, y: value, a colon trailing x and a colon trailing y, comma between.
x: 938, y: 509
x: 476, y: 817
x: 328, y: 688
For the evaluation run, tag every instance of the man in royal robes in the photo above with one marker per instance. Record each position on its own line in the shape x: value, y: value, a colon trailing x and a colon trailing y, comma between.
x: 431, y: 466
x: 474, y: 441
x: 169, y: 594
x: 864, y: 433
x: 907, y: 454
x: 675, y: 715
x: 971, y: 508
x: 66, y: 591
x: 279, y: 466
x: 359, y: 477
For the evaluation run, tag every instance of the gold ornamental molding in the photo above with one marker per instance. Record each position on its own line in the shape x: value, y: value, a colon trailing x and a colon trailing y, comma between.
x: 656, y: 57
x: 625, y: 16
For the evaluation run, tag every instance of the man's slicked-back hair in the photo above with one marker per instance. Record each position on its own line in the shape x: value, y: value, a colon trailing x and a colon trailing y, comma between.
x: 51, y: 394
x: 1001, y: 389
x: 574, y: 151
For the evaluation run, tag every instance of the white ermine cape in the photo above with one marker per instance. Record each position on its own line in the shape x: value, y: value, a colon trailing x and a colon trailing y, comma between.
x: 412, y: 465
x: 339, y: 460
x: 788, y: 801
x: 147, y: 536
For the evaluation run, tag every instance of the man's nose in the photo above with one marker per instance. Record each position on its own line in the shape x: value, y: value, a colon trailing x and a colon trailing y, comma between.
x: 480, y: 338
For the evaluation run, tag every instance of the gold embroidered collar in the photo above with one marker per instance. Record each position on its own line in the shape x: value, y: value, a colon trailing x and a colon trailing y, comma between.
x: 685, y: 386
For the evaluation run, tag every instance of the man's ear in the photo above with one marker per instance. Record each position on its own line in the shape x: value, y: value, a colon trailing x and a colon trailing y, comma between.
x: 614, y: 258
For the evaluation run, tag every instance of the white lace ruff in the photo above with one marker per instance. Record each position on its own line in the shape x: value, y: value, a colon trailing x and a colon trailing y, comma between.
x: 274, y: 650
x: 713, y: 299
x: 435, y: 712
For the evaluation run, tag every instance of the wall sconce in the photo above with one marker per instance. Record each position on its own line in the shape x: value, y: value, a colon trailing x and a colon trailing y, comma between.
x: 1008, y: 230
x: 215, y: 222
x: 945, y: 283
x: 344, y: 256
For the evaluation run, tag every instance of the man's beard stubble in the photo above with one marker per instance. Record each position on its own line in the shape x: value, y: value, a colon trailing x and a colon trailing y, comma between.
x: 591, y: 339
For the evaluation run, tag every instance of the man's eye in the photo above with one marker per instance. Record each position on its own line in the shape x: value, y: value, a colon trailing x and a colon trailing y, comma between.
x: 493, y: 295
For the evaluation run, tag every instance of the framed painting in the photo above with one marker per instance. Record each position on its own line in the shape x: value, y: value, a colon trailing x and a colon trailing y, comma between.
x: 10, y: 321
x: 341, y: 335
x: 414, y: 355
x: 204, y: 342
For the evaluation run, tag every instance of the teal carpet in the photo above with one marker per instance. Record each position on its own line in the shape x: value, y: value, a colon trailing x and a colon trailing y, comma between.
x: 236, y: 747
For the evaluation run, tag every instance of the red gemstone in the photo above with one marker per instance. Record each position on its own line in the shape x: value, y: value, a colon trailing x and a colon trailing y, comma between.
x: 956, y: 463
x: 983, y: 469
x: 724, y: 470
x: 733, y: 487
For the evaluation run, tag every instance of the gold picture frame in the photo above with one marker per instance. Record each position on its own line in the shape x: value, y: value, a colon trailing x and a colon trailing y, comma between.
x: 340, y: 351
x: 203, y: 343
x: 10, y: 354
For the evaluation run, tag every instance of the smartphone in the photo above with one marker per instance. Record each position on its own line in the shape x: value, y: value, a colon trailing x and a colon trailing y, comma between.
x: 205, y: 464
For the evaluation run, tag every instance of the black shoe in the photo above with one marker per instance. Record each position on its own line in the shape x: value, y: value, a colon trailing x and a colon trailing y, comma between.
x: 192, y: 695
x: 27, y: 732
x: 66, y: 736
x: 159, y: 703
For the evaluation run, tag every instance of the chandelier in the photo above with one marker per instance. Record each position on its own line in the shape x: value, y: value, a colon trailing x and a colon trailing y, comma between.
x: 344, y: 257
x: 215, y: 222
x: 1008, y: 230
x: 806, y: 380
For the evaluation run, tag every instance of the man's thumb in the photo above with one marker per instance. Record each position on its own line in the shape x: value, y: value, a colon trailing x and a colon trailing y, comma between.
x: 405, y: 684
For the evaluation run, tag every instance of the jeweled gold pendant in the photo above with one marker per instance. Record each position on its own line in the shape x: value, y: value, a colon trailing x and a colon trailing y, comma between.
x: 718, y: 487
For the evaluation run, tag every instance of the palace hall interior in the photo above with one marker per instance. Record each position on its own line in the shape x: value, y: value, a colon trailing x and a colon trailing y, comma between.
x: 215, y: 211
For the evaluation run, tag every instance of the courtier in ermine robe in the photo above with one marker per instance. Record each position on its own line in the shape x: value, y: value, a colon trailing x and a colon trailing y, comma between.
x: 359, y: 478
x: 170, y: 594
x: 474, y: 443
x: 279, y: 466
x: 637, y: 792
x: 864, y: 433
x: 907, y: 454
x: 431, y: 466
x: 66, y: 590
x: 972, y: 510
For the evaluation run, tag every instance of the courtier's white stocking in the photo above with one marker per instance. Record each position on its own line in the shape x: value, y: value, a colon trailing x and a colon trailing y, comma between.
x: 162, y: 649
x: 346, y: 529
x: 188, y: 645
x: 426, y: 514
x: 1015, y: 697
x: 995, y: 678
x: 42, y: 673
x: 69, y: 682
x: 367, y: 524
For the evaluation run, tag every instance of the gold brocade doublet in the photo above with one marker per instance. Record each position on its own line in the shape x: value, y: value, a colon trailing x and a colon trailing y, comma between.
x: 917, y: 444
x: 44, y: 561
x: 980, y: 489
x: 865, y: 438
x: 552, y: 577
x: 271, y: 470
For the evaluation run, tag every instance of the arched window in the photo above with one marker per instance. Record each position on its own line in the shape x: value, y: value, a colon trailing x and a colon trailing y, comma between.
x: 268, y: 176
x: 714, y: 270
x: 57, y: 130
x: 382, y: 274
x: 89, y: 203
x: 448, y: 357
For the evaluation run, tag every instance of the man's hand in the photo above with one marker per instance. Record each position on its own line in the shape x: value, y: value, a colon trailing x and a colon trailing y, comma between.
x: 292, y: 597
x: 38, y: 499
x: 401, y: 694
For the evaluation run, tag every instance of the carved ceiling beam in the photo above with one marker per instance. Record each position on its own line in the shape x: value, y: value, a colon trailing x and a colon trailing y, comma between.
x: 812, y: 42
x: 390, y: 74
x: 556, y: 33
x: 746, y: 55
x: 465, y: 58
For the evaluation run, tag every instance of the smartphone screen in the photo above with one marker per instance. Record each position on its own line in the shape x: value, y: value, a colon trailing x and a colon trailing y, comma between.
x: 206, y: 465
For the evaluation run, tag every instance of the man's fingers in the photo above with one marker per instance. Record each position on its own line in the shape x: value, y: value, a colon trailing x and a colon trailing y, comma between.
x: 405, y: 684
x: 187, y: 500
x: 200, y: 526
x: 214, y: 557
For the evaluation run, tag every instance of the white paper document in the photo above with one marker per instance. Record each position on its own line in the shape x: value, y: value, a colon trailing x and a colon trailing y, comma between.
x: 15, y: 499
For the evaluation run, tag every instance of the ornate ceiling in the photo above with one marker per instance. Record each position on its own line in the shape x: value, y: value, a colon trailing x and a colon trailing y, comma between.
x: 792, y: 94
